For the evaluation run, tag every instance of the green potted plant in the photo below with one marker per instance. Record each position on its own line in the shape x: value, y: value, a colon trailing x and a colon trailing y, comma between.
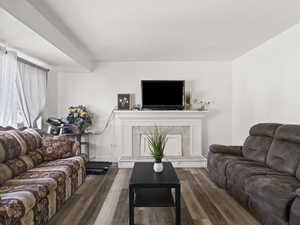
x: 157, y: 141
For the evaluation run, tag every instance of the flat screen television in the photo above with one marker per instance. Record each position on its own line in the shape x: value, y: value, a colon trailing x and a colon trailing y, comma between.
x: 163, y: 94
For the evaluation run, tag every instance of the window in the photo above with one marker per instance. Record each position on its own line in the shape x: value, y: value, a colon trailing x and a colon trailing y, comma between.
x: 22, y: 91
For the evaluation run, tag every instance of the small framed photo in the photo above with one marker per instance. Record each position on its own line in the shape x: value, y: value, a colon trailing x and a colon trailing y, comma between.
x: 124, y: 102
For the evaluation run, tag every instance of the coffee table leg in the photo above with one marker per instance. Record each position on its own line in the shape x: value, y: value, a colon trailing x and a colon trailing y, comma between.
x: 178, y: 209
x: 131, y: 205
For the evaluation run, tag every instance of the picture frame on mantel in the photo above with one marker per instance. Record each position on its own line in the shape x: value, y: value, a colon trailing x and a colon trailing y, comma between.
x: 124, y: 101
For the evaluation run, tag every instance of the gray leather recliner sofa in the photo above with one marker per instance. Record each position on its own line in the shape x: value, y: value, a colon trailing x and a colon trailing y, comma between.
x: 264, y: 173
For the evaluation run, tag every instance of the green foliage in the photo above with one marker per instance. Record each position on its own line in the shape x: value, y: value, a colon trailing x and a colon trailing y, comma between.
x: 157, y: 143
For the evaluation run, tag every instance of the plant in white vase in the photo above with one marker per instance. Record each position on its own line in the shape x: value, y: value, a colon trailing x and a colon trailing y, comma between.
x: 157, y: 141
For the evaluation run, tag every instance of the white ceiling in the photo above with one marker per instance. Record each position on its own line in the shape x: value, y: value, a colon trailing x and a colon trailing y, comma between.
x: 174, y: 29
x: 154, y: 30
x: 16, y: 35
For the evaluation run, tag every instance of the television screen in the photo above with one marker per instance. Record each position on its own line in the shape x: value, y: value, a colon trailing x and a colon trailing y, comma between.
x: 163, y: 94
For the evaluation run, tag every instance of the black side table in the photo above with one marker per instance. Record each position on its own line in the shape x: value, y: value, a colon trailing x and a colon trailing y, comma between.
x: 150, y: 189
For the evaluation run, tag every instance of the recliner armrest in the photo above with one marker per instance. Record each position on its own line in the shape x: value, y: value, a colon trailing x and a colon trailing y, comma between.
x: 298, y: 192
x: 232, y: 150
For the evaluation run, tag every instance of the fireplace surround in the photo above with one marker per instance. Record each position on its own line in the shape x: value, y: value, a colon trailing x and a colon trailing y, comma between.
x: 184, y: 130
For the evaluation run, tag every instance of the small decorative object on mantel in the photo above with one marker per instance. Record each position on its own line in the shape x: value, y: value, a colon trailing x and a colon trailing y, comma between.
x: 124, y: 102
x: 157, y: 142
x: 137, y: 107
x: 201, y: 105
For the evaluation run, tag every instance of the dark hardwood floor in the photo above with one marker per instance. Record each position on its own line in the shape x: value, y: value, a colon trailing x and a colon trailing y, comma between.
x: 103, y: 200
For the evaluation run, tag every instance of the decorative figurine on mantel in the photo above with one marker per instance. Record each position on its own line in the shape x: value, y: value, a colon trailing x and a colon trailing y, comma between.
x: 157, y: 142
x: 201, y: 105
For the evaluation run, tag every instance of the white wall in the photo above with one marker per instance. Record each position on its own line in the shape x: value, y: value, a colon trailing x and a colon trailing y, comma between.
x: 51, y: 101
x: 266, y: 84
x: 98, y: 90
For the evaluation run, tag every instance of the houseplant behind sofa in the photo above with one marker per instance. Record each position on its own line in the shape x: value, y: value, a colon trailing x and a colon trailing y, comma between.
x: 38, y: 174
x: 264, y: 173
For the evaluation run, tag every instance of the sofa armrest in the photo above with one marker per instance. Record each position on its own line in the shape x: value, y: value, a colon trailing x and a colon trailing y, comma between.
x: 49, y: 140
x: 56, y: 147
x: 232, y: 150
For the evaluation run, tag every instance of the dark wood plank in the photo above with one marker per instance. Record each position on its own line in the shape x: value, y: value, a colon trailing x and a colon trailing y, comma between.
x: 202, y: 203
x: 98, y: 200
x: 209, y: 207
x: 121, y: 213
x: 83, y: 207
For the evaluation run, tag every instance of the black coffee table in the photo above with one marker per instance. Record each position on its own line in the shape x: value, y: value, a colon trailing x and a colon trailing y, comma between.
x: 150, y: 189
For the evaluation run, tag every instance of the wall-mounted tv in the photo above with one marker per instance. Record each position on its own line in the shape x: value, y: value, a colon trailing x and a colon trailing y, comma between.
x: 163, y: 94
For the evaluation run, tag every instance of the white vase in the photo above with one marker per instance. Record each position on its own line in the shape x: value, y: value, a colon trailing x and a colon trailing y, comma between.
x: 158, y: 167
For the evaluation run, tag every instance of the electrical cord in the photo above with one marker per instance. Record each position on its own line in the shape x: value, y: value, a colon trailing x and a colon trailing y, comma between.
x: 108, y: 121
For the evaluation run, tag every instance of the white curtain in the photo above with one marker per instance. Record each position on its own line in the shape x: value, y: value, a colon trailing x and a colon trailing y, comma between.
x: 31, y: 85
x: 8, y: 94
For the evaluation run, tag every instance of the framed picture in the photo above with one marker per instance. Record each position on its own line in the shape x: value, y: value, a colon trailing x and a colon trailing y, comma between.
x: 124, y: 102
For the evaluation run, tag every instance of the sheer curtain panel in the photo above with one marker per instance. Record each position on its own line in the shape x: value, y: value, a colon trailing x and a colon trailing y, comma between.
x: 31, y: 86
x: 8, y: 94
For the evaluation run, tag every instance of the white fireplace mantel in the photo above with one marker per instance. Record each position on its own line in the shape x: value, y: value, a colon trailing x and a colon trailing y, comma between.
x: 160, y: 114
x: 184, y: 148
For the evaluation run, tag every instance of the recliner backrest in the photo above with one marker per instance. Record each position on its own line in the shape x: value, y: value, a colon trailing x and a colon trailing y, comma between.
x: 284, y: 153
x: 257, y: 145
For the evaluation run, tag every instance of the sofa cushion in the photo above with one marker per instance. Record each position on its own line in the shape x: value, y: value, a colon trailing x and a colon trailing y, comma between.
x: 36, y: 157
x: 23, y: 163
x: 18, y: 200
x: 5, y: 173
x: 264, y: 129
x: 237, y: 174
x: 298, y: 172
x: 17, y: 166
x: 284, y: 154
x: 57, y: 150
x: 74, y: 162
x: 48, y: 182
x: 46, y: 176
x: 49, y: 140
x: 272, y: 193
x: 12, y: 209
x: 262, y: 213
x: 258, y: 143
x: 27, y: 159
x: 294, y: 213
x: 32, y: 139
x: 217, y: 165
x: 232, y: 150
x: 39, y: 191
x: 11, y: 146
x: 290, y: 133
x: 76, y: 165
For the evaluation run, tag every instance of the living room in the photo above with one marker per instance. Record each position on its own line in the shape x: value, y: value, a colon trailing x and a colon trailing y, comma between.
x: 147, y: 112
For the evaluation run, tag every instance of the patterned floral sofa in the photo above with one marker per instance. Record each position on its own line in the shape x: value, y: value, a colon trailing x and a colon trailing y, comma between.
x: 38, y: 173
